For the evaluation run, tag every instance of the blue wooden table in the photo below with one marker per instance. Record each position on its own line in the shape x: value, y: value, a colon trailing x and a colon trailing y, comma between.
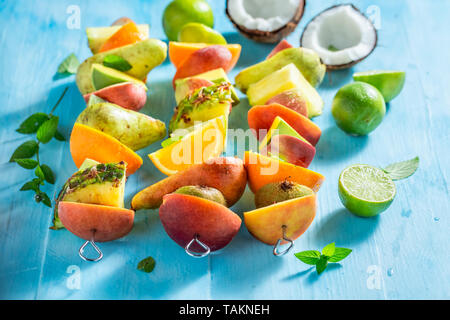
x: 402, y: 254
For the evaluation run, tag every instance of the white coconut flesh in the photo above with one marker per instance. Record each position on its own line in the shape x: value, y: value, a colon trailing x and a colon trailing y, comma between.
x: 262, y: 15
x: 340, y: 35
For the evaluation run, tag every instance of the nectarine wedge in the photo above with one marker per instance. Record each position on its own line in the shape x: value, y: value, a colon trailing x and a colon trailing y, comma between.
x: 180, y: 51
x: 126, y: 94
x: 86, y: 142
x: 294, y: 216
x: 262, y: 170
x: 95, y: 222
x: 185, y: 217
x: 262, y: 117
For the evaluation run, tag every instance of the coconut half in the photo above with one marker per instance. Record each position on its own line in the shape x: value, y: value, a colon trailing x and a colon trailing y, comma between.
x: 341, y: 35
x: 265, y: 20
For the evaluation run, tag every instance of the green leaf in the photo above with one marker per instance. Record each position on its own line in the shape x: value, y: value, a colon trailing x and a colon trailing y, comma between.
x: 340, y: 254
x: 402, y: 170
x: 32, y: 123
x: 328, y: 250
x: 310, y: 257
x: 59, y: 136
x: 39, y: 173
x: 116, y: 62
x: 48, y: 174
x: 322, y: 264
x: 45, y: 199
x: 147, y: 264
x: 57, y: 224
x: 69, y: 65
x: 27, y: 163
x: 25, y: 150
x: 47, y: 130
x: 31, y: 185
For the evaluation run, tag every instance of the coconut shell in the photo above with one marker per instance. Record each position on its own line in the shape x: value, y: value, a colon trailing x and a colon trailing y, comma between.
x: 271, y: 36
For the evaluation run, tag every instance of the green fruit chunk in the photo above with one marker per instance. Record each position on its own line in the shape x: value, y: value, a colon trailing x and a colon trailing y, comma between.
x: 306, y: 60
x: 207, y: 193
x: 143, y: 56
x: 134, y: 129
x: 195, y: 32
x: 180, y: 12
x: 358, y: 108
x: 389, y: 83
x: 103, y: 77
x: 280, y: 191
x: 365, y: 190
x: 214, y: 76
x: 203, y: 104
x: 94, y: 183
x: 97, y: 36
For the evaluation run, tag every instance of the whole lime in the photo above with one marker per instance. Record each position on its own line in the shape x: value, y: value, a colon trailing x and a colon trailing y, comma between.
x: 358, y: 108
x: 180, y: 12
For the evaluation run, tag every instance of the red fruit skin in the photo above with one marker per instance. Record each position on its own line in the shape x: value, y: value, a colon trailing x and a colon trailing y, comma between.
x: 291, y: 149
x: 291, y: 100
x: 184, y: 216
x: 202, y: 60
x: 127, y: 95
x: 279, y: 47
x: 97, y: 222
x: 262, y: 117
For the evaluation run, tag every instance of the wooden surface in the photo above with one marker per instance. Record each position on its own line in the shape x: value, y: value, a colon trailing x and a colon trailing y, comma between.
x: 402, y: 254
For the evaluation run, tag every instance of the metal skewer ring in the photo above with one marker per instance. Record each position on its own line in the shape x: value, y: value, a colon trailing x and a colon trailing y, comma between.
x: 196, y: 254
x: 277, y: 245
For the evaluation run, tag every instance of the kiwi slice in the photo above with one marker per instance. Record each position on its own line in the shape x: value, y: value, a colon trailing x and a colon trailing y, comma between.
x: 280, y: 191
x: 204, y: 192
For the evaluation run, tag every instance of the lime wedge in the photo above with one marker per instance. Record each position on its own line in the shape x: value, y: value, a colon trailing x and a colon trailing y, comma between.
x: 365, y: 190
x: 389, y: 83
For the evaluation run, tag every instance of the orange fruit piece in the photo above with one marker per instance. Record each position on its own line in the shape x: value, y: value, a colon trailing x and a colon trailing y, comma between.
x: 87, y: 142
x: 180, y: 51
x: 203, y: 143
x: 262, y: 170
x: 127, y: 34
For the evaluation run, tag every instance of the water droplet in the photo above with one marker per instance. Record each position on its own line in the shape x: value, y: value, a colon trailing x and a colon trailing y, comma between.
x: 436, y: 219
x: 390, y: 272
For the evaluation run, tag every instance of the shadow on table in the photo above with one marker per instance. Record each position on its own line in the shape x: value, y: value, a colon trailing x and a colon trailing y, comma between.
x: 344, y: 228
x: 335, y: 144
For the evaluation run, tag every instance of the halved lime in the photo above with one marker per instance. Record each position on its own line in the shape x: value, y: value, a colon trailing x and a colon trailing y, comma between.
x: 365, y: 190
x: 389, y: 83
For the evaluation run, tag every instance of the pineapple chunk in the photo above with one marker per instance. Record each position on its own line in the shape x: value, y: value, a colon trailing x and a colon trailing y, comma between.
x: 287, y: 78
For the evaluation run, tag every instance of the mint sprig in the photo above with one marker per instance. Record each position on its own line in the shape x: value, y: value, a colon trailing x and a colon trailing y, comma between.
x: 147, y: 265
x: 402, y: 170
x: 330, y: 254
x: 46, y: 127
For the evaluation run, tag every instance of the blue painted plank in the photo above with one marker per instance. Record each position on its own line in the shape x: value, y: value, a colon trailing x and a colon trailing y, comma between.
x: 410, y: 239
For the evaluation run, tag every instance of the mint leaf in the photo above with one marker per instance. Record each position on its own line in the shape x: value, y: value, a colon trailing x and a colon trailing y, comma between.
x: 59, y: 136
x: 116, y: 62
x: 310, y: 257
x: 48, y: 174
x: 47, y: 130
x: 328, y: 250
x: 45, y: 199
x: 340, y: 254
x: 31, y: 185
x: 25, y: 150
x: 402, y: 170
x: 39, y: 173
x: 27, y: 163
x: 147, y: 264
x: 322, y: 264
x: 69, y: 65
x: 32, y: 123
